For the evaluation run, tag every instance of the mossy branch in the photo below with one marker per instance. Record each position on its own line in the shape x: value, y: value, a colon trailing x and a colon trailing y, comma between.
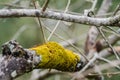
x: 16, y: 60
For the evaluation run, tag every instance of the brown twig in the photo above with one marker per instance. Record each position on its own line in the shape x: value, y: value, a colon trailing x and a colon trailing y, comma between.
x: 45, y: 5
x: 40, y: 25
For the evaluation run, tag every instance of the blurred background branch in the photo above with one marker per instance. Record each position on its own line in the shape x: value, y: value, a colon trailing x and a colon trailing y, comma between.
x: 25, y: 29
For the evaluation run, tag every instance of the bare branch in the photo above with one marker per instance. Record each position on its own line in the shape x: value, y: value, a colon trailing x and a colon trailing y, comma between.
x: 108, y: 51
x: 47, y: 74
x: 107, y: 73
x: 110, y: 64
x: 41, y: 75
x: 101, y: 67
x: 57, y: 24
x: 93, y: 32
x: 106, y: 40
x: 110, y: 21
x: 39, y: 21
x: 45, y: 5
x: 112, y: 40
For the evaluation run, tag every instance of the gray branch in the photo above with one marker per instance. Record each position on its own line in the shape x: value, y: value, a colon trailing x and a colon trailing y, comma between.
x: 16, y: 61
x: 110, y: 21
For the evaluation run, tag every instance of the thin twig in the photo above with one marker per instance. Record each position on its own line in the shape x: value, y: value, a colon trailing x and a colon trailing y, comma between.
x: 115, y: 33
x: 8, y: 5
x: 86, y: 66
x: 116, y: 10
x: 106, y: 60
x: 102, y: 67
x: 90, y: 44
x: 45, y: 5
x: 12, y: 3
x: 53, y: 30
x: 97, y: 70
x: 94, y: 5
x: 112, y: 40
x: 60, y: 37
x: 99, y: 29
x: 40, y: 25
x: 112, y: 30
x: 66, y: 9
x: 107, y: 73
x: 95, y: 57
x: 107, y: 52
x: 89, y: 63
x: 17, y: 34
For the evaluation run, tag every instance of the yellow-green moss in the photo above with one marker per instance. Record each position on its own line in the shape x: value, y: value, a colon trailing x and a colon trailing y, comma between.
x: 54, y: 56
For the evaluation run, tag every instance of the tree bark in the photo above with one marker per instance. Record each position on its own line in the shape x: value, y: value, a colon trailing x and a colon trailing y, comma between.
x: 110, y: 21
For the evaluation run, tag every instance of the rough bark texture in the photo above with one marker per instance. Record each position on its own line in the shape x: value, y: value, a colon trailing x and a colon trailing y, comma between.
x: 16, y: 60
x: 110, y: 21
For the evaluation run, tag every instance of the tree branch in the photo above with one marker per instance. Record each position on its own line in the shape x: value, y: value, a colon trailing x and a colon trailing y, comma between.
x: 112, y: 40
x: 16, y: 61
x: 90, y: 44
x: 110, y: 21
